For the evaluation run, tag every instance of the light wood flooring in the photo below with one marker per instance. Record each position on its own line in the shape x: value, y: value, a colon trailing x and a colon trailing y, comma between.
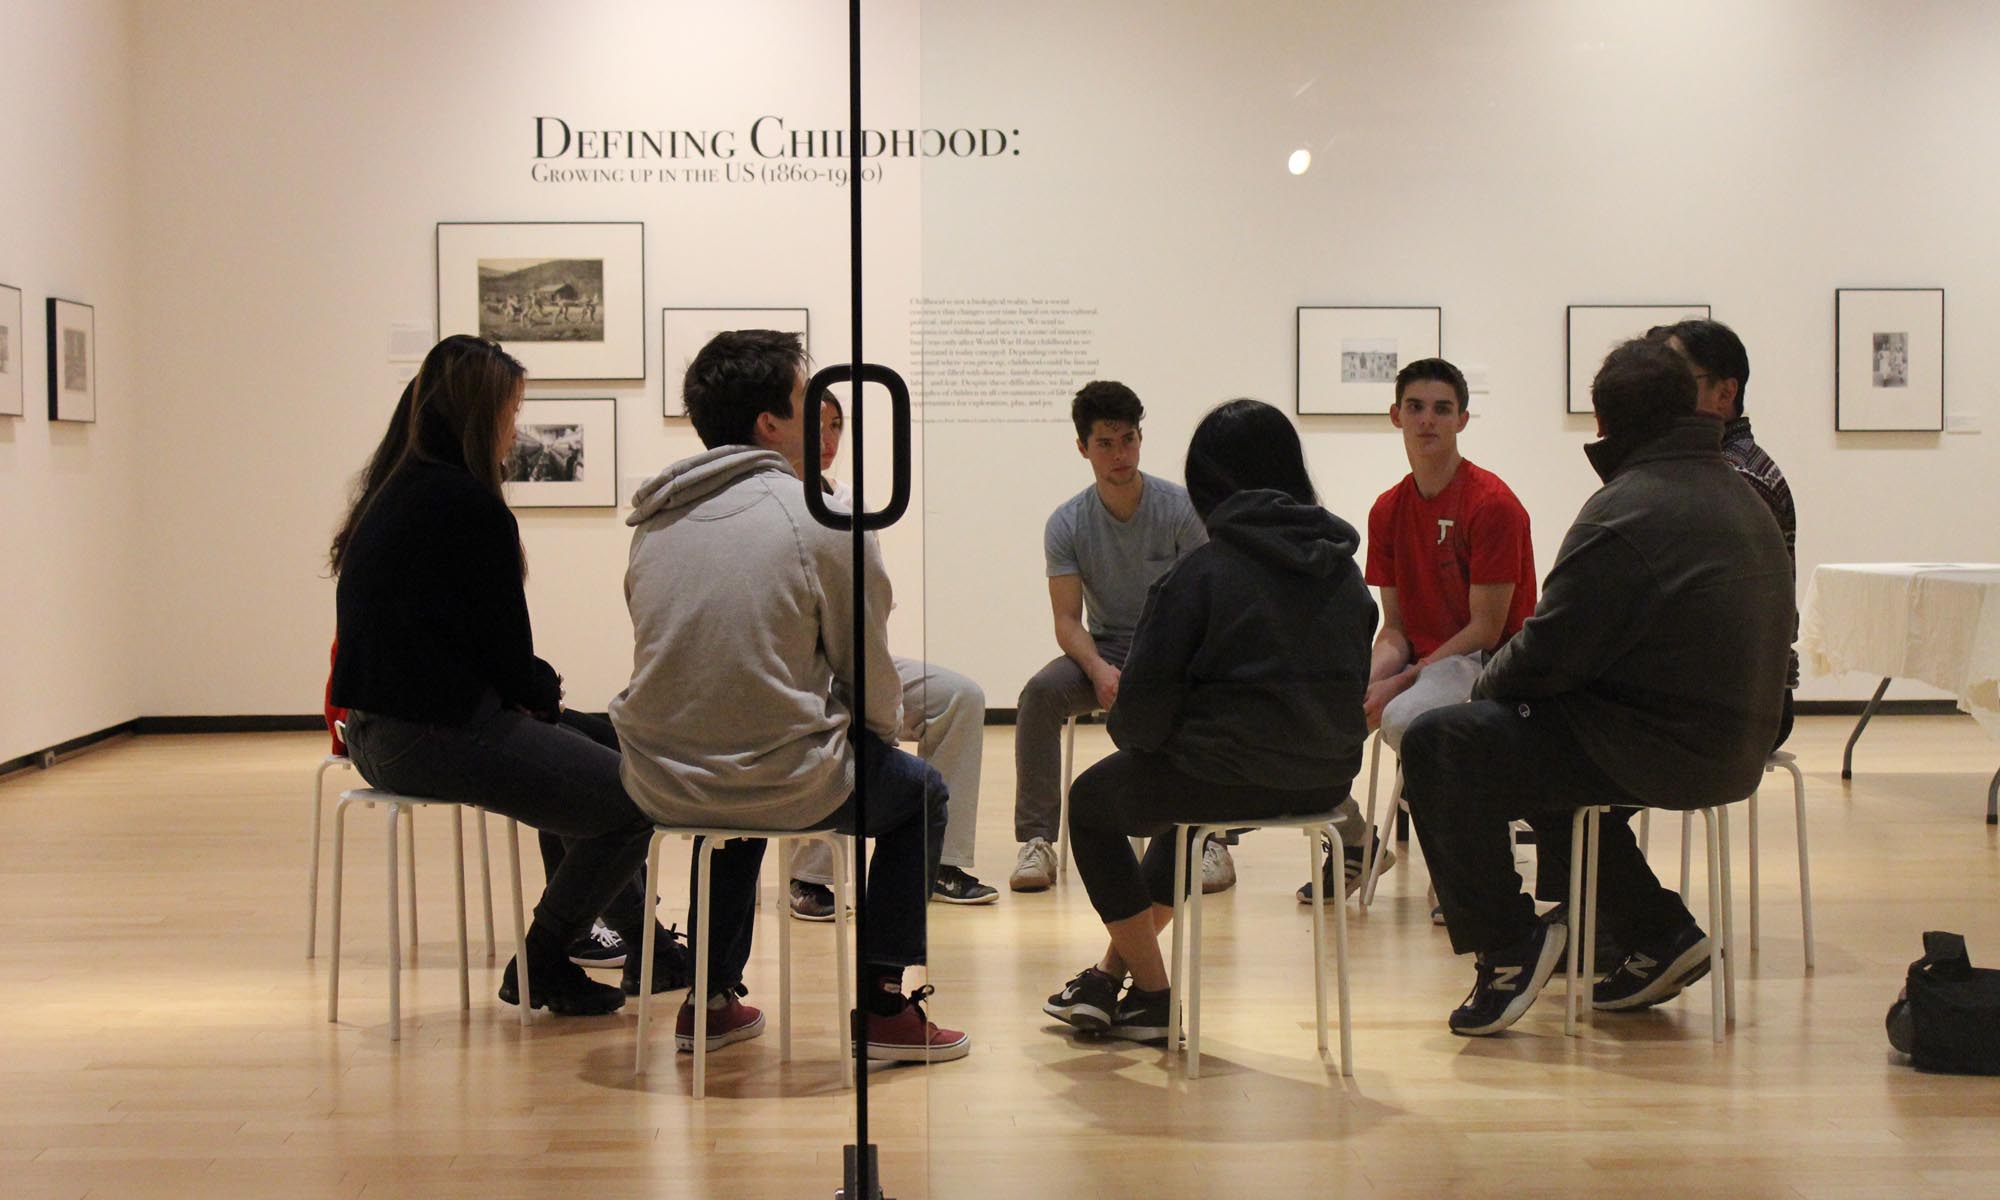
x: 163, y: 1035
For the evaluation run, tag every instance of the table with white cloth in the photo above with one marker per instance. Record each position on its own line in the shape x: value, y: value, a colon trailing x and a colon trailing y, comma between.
x: 1935, y: 622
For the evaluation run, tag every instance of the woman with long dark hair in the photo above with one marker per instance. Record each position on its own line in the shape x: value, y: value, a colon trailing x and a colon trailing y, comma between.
x: 436, y: 662
x: 1241, y: 699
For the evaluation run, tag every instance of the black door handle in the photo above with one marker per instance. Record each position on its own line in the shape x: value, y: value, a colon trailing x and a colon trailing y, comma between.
x: 899, y: 416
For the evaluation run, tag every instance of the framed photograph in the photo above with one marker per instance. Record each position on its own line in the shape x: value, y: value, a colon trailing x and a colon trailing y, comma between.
x: 13, y: 392
x: 565, y: 455
x: 1888, y: 366
x: 1593, y: 330
x: 72, y: 361
x: 1348, y: 357
x: 566, y: 298
x: 684, y: 331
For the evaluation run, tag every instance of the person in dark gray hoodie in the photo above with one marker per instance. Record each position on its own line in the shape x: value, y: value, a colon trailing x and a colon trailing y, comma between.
x: 1241, y: 698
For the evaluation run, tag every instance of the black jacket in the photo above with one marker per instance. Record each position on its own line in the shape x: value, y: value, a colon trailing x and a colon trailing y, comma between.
x: 1250, y: 661
x: 1664, y: 626
x: 432, y: 615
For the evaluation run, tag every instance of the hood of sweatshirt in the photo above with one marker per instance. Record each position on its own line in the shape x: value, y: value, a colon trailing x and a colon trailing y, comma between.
x: 692, y: 480
x: 1274, y: 528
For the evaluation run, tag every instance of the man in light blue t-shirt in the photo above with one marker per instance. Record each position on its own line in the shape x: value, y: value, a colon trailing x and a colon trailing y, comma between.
x: 1105, y: 546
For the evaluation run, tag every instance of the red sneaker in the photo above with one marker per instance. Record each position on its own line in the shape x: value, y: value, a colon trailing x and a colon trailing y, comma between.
x: 909, y: 1036
x: 735, y: 1021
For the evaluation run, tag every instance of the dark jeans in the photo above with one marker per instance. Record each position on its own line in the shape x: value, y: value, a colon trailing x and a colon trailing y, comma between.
x: 547, y: 776
x: 627, y: 910
x: 1468, y: 770
x: 1132, y: 795
x: 906, y: 817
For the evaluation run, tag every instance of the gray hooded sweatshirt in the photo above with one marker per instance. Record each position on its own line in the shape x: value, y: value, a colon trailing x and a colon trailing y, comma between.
x: 742, y: 619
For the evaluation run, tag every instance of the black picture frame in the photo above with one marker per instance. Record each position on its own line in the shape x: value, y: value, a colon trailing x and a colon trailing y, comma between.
x: 1858, y: 380
x: 1366, y: 322
x: 69, y: 402
x: 13, y: 347
x: 622, y: 356
x: 599, y: 413
x: 1577, y: 373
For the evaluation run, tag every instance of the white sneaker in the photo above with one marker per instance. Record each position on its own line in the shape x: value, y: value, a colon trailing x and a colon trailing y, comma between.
x: 1218, y: 870
x: 1035, y: 869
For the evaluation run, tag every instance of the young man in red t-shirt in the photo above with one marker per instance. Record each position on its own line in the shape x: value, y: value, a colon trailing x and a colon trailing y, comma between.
x: 1450, y: 551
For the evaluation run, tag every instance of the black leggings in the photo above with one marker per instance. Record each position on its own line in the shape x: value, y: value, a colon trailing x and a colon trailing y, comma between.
x: 1132, y: 795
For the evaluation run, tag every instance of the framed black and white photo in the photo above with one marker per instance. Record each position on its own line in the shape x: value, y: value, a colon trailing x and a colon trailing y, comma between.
x: 1888, y: 370
x: 13, y: 392
x: 1348, y: 357
x: 1594, y: 330
x: 72, y: 361
x: 565, y: 455
x: 566, y: 298
x: 684, y: 331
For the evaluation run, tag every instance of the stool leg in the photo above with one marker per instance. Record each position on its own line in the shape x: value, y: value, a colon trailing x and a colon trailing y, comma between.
x: 1592, y: 839
x: 1728, y: 918
x: 1340, y: 974
x: 784, y: 951
x: 646, y: 941
x: 396, y: 812
x: 458, y: 872
x: 1194, y: 961
x: 700, y: 996
x: 1384, y: 835
x: 1176, y: 976
x: 485, y: 884
x: 1754, y: 939
x: 1313, y: 837
x: 333, y: 967
x: 1805, y: 869
x: 1572, y: 976
x: 1369, y: 841
x: 520, y: 922
x: 1717, y: 928
x: 410, y: 873
x: 1687, y: 852
x: 312, y: 863
x: 1062, y: 817
x: 843, y: 961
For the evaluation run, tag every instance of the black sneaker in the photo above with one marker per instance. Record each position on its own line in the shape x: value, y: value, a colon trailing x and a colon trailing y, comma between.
x: 1508, y: 982
x: 811, y: 901
x: 1088, y: 1002
x: 601, y: 947
x: 563, y: 989
x: 955, y: 886
x: 1609, y: 952
x: 1351, y: 872
x: 1654, y: 973
x: 673, y: 966
x: 1141, y: 1016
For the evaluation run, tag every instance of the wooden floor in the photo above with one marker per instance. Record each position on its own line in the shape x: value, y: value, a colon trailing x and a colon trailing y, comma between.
x: 163, y: 1035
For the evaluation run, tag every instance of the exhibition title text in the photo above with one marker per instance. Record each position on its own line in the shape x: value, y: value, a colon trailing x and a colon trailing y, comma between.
x: 755, y: 153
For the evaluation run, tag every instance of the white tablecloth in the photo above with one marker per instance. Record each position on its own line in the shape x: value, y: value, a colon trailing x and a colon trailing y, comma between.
x: 1937, y: 622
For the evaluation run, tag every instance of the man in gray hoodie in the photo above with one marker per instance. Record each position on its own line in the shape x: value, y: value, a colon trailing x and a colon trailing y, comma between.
x: 738, y: 713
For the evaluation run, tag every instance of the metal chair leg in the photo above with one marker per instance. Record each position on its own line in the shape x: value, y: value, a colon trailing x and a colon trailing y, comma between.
x: 396, y: 813
x: 646, y: 941
x: 333, y: 967
x: 520, y: 922
x: 485, y: 884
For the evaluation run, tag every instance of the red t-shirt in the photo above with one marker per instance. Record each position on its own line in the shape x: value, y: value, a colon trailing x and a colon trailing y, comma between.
x: 1432, y: 552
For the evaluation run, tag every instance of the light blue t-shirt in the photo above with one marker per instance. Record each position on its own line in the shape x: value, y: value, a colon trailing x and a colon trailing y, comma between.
x: 1119, y: 560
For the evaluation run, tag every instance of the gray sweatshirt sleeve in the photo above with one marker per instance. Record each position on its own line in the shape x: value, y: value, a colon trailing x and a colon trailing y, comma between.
x: 834, y: 558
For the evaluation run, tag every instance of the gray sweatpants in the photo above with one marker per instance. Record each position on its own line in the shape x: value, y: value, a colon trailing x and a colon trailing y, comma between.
x: 944, y: 713
x: 1056, y: 693
x: 1446, y: 681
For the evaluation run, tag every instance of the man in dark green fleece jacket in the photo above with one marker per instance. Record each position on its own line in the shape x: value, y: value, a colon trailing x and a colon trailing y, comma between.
x: 1651, y: 675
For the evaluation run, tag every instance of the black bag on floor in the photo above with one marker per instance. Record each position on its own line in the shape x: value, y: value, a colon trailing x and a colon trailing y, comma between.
x: 1948, y: 1016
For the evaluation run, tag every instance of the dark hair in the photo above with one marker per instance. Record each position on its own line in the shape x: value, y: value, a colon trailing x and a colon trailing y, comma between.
x: 1712, y: 346
x: 740, y: 375
x: 1104, y: 400
x: 1245, y: 445
x: 1642, y: 387
x: 1433, y: 368
x: 449, y: 413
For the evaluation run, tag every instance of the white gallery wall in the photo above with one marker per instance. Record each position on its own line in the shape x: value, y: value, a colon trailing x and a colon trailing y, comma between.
x: 285, y: 166
x: 72, y: 646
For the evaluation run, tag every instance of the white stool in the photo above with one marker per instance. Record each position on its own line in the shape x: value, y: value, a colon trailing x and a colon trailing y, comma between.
x: 1779, y: 760
x: 1184, y: 985
x: 1371, y: 858
x: 400, y: 808
x: 312, y: 863
x: 1062, y: 818
x: 698, y: 994
x: 1581, y: 976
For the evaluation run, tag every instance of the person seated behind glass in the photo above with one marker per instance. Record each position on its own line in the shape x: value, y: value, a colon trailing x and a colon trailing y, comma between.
x: 1241, y: 699
x: 740, y: 710
x: 435, y: 661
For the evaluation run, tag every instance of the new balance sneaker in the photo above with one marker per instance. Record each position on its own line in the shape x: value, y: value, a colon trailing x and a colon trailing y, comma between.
x: 1141, y: 1016
x: 1508, y: 982
x: 729, y: 1020
x: 563, y: 989
x: 811, y: 901
x: 1035, y: 869
x: 1088, y: 1001
x: 1654, y: 973
x: 601, y: 947
x: 910, y: 1036
x: 1351, y: 872
x: 956, y: 886
x: 1609, y: 952
x: 1218, y: 870
x: 673, y: 965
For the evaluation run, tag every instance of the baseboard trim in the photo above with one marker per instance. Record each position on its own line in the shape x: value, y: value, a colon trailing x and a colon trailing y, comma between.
x: 1888, y: 708
x: 301, y: 723
x: 52, y: 755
